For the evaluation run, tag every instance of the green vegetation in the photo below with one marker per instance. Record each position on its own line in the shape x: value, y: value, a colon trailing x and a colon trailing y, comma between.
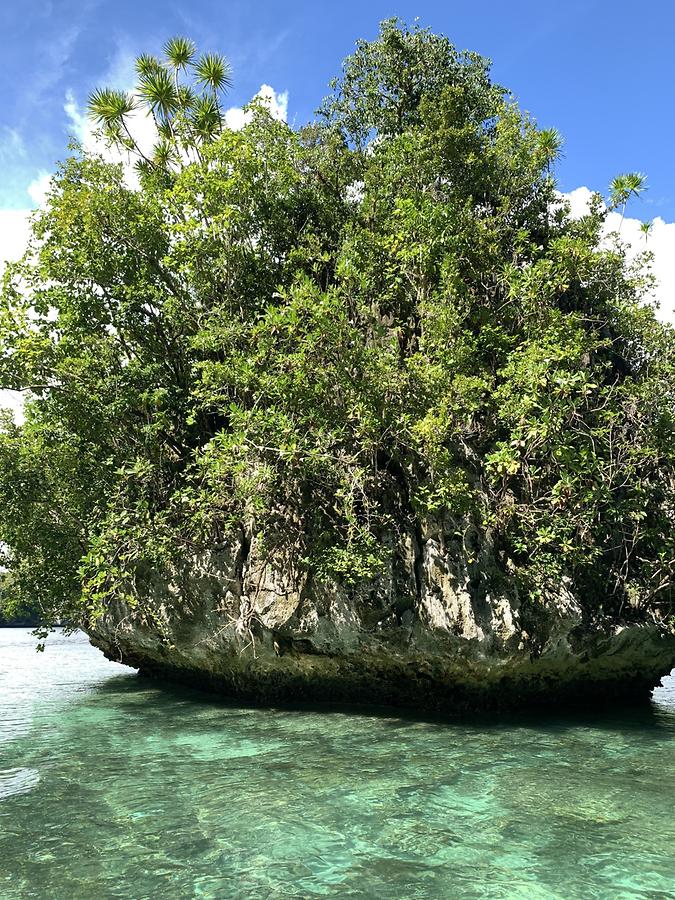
x: 329, y: 335
x: 13, y: 612
x: 187, y: 115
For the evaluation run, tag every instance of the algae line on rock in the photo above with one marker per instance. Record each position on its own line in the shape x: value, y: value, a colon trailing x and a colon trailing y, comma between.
x: 350, y: 410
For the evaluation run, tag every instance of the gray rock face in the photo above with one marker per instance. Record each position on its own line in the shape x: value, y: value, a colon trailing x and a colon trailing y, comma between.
x: 440, y: 630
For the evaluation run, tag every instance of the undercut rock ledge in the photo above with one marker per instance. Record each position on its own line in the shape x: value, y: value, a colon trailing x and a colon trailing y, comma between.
x: 433, y: 634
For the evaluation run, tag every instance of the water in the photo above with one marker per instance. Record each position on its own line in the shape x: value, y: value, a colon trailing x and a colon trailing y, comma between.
x: 114, y: 787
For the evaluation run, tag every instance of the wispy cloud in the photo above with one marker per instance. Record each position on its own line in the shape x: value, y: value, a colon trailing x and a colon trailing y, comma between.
x: 12, y: 146
x: 15, y: 167
x: 55, y: 52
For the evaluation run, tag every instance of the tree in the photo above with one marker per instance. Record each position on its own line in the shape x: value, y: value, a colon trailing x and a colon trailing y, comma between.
x: 11, y: 612
x: 550, y: 142
x: 331, y: 337
x: 187, y: 115
x: 623, y: 187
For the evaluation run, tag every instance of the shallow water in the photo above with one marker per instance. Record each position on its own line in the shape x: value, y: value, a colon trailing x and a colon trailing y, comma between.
x: 114, y: 787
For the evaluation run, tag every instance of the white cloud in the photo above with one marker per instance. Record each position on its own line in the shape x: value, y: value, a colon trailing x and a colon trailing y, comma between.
x: 661, y: 242
x: 277, y: 102
x: 39, y: 188
x: 14, y: 232
x: 236, y: 117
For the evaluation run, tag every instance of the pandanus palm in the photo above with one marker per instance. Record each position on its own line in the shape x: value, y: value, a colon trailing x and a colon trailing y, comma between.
x: 159, y: 92
x: 214, y: 72
x: 180, y: 52
x: 146, y: 64
x: 646, y: 228
x: 186, y: 113
x: 623, y: 187
x: 109, y: 109
x: 206, y: 118
x: 550, y: 144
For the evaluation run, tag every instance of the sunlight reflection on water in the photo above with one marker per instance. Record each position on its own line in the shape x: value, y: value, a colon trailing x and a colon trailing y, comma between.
x: 17, y: 781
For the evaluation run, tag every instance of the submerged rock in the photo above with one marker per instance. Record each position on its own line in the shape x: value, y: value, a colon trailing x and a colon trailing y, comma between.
x: 435, y: 632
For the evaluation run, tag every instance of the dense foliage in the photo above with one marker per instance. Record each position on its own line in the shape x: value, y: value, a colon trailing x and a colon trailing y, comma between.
x: 12, y: 611
x: 330, y: 334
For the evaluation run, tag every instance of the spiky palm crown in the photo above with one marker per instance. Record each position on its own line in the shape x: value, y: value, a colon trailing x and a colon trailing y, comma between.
x: 550, y: 141
x: 187, y: 112
x: 109, y: 107
x: 213, y: 71
x: 206, y: 117
x: 179, y: 51
x: 626, y: 185
x: 158, y: 91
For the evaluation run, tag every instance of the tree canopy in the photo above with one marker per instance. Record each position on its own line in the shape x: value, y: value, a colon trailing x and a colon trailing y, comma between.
x: 331, y: 333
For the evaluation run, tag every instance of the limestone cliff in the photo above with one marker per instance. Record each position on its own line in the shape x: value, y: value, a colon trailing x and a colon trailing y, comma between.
x: 442, y: 629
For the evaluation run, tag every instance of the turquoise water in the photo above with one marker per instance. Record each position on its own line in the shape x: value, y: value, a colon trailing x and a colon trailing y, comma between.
x: 113, y: 787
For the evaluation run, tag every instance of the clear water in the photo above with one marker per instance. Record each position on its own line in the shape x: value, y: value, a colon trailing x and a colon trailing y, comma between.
x: 114, y: 787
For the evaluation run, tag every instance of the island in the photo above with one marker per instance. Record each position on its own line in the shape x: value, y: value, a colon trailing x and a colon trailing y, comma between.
x: 349, y: 411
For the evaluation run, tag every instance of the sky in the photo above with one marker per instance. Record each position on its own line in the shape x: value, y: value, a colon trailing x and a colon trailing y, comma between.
x: 600, y: 71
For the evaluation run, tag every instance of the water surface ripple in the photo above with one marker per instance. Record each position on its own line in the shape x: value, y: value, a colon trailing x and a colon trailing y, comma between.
x: 115, y: 787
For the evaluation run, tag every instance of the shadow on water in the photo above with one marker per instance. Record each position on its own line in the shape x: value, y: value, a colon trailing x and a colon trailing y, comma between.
x: 655, y: 716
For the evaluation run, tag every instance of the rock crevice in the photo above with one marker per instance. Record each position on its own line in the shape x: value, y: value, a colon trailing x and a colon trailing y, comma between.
x: 434, y: 632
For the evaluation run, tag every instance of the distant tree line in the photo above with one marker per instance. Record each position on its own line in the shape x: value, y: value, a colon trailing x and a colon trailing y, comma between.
x: 14, y: 612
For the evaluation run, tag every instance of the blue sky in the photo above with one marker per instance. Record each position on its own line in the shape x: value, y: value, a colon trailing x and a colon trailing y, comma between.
x: 601, y: 72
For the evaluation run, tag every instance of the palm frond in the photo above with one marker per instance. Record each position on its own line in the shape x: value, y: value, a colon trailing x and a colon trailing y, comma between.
x: 626, y: 185
x: 186, y: 96
x: 206, y: 118
x: 147, y: 65
x: 550, y: 142
x: 143, y: 167
x: 636, y: 182
x: 179, y: 51
x: 108, y: 107
x: 159, y: 91
x: 163, y: 154
x: 214, y: 71
x: 165, y: 130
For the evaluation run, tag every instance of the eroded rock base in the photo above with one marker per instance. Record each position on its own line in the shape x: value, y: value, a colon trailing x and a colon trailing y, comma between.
x: 436, y: 632
x: 413, y: 686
